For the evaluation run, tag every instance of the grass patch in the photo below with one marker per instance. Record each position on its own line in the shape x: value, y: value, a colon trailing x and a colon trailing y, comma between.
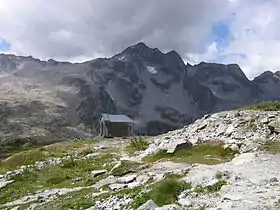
x: 162, y: 193
x: 21, y: 207
x: 40, y: 154
x: 57, y: 176
x: 135, y: 193
x: 75, y: 200
x: 272, y: 147
x: 210, y: 189
x: 140, y: 200
x: 85, y: 152
x: 167, y: 191
x: 126, y: 167
x: 202, y: 153
x: 137, y: 144
x: 264, y: 106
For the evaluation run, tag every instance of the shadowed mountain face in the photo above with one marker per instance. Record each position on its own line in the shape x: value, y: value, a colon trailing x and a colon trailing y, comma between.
x: 64, y: 100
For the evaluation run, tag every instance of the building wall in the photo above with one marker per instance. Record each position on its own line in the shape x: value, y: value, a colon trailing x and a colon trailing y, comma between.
x: 114, y: 129
x: 119, y: 129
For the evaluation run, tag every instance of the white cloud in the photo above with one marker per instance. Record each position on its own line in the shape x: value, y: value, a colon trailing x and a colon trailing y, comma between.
x: 71, y: 29
x: 256, y: 35
x: 84, y: 29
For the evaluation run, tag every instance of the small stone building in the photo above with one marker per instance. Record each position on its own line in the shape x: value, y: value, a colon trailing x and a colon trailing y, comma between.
x: 115, y: 126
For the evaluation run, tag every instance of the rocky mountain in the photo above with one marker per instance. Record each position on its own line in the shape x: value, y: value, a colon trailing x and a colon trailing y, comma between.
x: 268, y: 84
x: 64, y: 100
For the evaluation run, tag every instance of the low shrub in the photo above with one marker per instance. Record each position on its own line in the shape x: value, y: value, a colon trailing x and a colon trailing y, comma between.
x: 167, y: 191
x: 202, y: 153
x: 137, y: 144
x: 272, y: 147
x: 264, y: 106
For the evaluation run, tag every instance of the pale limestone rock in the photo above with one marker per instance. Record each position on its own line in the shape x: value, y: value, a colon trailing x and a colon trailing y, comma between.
x: 149, y: 205
x: 98, y: 172
x: 127, y: 179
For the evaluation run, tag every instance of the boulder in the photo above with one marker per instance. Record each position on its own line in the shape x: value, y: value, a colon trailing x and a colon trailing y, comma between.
x: 98, y: 173
x: 142, y: 179
x: 117, y: 186
x: 185, y: 202
x: 127, y: 179
x: 4, y: 183
x: 133, y: 185
x: 106, y: 181
x: 149, y: 205
x: 169, y: 207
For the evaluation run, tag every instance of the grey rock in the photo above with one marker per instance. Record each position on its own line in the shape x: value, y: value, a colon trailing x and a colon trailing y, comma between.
x: 142, y: 179
x: 127, y: 179
x: 149, y: 205
x: 98, y: 173
x: 265, y: 120
x: 4, y: 183
x: 107, y: 181
x: 117, y: 186
x: 241, y: 131
x: 248, y: 185
x: 185, y: 202
x: 43, y: 196
x: 273, y: 179
x: 169, y: 207
x: 133, y: 185
x: 96, y: 154
x: 210, y: 183
x: 234, y: 147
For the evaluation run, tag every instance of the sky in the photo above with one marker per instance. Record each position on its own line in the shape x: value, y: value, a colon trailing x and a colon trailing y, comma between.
x: 245, y: 32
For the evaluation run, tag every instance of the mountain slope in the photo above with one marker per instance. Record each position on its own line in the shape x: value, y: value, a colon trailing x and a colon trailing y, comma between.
x: 63, y: 100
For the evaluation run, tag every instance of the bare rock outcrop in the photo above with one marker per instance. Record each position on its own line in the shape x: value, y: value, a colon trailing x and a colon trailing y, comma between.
x: 244, y: 131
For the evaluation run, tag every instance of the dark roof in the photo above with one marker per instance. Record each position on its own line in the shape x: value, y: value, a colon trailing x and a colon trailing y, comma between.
x: 116, y: 118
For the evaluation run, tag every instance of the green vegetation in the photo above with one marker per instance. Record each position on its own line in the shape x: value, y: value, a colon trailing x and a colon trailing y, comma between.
x: 162, y: 193
x: 139, y: 199
x: 272, y: 147
x: 75, y: 200
x: 21, y: 207
x: 39, y: 154
x: 264, y: 106
x: 210, y: 189
x: 252, y: 125
x: 137, y: 194
x: 14, y: 145
x: 202, y: 153
x: 85, y: 152
x: 137, y: 144
x: 126, y: 167
x: 218, y: 175
x: 167, y: 191
x: 56, y: 176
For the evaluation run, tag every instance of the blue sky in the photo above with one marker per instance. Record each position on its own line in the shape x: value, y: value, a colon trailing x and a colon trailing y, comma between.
x: 222, y: 36
x: 4, y: 46
x: 221, y: 33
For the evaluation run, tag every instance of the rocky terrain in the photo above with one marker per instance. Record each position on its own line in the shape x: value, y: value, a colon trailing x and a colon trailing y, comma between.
x: 46, y: 100
x: 226, y: 160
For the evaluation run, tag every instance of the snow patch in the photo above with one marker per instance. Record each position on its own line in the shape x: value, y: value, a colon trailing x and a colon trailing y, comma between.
x: 152, y: 69
x: 122, y: 58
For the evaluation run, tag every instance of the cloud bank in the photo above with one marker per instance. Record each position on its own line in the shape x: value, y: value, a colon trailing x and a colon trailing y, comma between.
x: 227, y: 31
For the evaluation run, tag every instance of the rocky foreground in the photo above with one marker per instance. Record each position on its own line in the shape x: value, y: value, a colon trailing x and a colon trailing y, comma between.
x: 228, y: 160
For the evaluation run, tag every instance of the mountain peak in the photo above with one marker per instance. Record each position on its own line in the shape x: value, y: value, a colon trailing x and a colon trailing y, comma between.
x: 140, y: 46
